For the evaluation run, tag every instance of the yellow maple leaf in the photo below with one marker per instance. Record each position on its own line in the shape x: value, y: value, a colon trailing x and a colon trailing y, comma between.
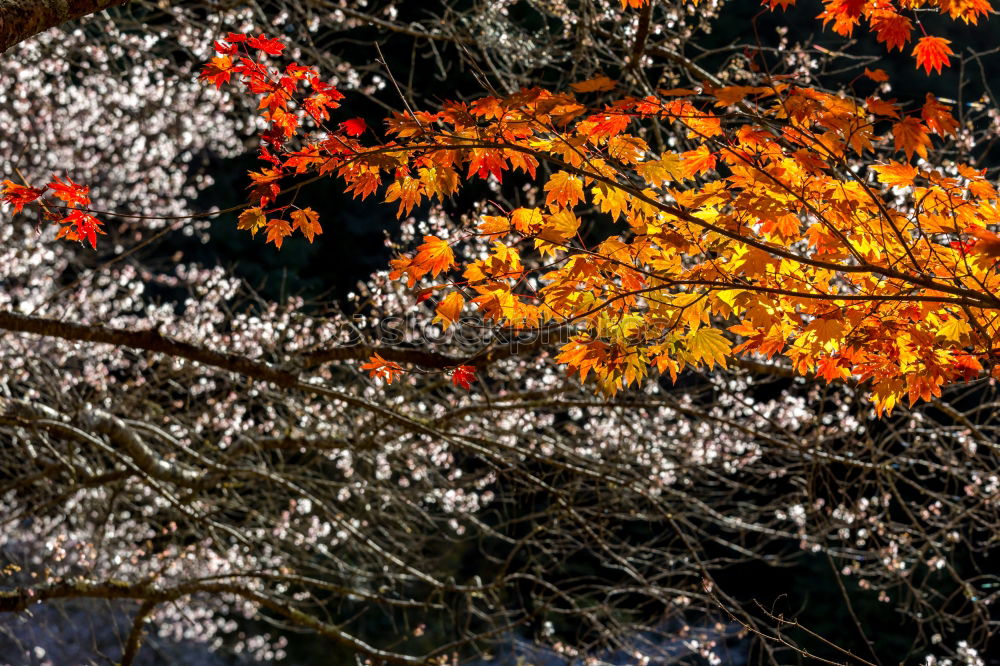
x: 559, y: 226
x: 708, y: 346
x: 911, y: 136
x: 667, y: 168
x: 954, y: 329
x: 252, y: 220
x: 828, y: 333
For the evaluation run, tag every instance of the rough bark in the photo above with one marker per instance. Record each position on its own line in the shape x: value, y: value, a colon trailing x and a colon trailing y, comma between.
x: 21, y: 19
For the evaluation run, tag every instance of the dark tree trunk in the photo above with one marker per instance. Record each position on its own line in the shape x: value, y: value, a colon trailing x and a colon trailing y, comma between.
x: 20, y: 19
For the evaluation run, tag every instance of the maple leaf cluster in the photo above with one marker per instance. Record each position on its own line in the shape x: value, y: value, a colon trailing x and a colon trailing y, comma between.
x: 74, y: 220
x: 891, y: 21
x: 762, y: 239
x: 288, y: 97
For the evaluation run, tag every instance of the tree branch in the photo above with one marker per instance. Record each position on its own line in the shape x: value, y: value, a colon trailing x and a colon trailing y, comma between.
x: 148, y: 340
x: 21, y: 19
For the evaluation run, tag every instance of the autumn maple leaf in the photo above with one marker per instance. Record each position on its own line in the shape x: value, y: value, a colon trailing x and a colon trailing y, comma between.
x: 307, y: 221
x: 697, y: 161
x: 988, y: 243
x: 708, y: 346
x: 938, y: 116
x: 844, y: 14
x: 223, y: 48
x: 895, y: 174
x: 463, y: 376
x: 434, y: 255
x: 829, y: 368
x: 449, y: 309
x: 892, y: 29
x: 277, y: 230
x: 596, y: 84
x: 269, y: 45
x: 354, y: 126
x: 218, y: 70
x: 876, y: 75
x: 911, y: 136
x: 932, y: 53
x: 19, y: 195
x: 962, y: 247
x: 563, y: 190
x: 72, y: 193
x: 80, y: 226
x: 379, y: 368
x: 252, y: 220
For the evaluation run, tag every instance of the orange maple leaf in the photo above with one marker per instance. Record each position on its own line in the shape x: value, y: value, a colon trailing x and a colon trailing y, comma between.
x: 596, y: 84
x: 564, y: 190
x: 938, y: 116
x: 845, y: 14
x: 911, y: 136
x: 697, y: 161
x: 882, y: 107
x: 307, y: 221
x: 379, y: 368
x: 449, y: 309
x: 895, y: 174
x: 277, y: 230
x: 218, y: 70
x: 987, y: 242
x: 829, y: 368
x: 932, y: 53
x: 434, y: 256
x: 876, y: 75
x: 892, y: 29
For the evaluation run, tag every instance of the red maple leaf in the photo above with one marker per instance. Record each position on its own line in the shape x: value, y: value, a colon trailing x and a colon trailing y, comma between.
x: 72, y: 193
x: 223, y: 48
x: 18, y: 195
x: 354, y: 126
x: 269, y: 45
x: 80, y: 226
x: 962, y: 247
x: 463, y: 376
